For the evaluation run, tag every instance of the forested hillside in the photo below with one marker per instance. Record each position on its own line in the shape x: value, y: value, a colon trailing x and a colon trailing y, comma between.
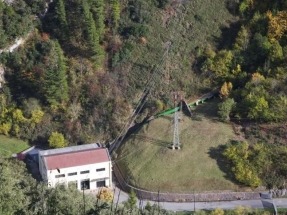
x: 86, y: 62
x: 252, y: 70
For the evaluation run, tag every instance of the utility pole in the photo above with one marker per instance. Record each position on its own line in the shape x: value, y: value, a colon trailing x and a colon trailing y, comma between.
x: 193, y: 202
x: 176, y: 142
x: 118, y: 200
x: 84, y: 199
x: 158, y: 202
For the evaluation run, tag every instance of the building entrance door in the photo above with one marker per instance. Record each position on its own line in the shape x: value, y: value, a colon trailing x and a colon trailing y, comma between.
x: 85, y: 184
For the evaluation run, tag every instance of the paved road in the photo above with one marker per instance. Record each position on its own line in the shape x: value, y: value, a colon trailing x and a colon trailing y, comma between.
x: 190, y: 206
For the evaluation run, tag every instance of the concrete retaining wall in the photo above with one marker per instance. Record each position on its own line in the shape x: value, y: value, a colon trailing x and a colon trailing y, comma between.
x: 180, y: 197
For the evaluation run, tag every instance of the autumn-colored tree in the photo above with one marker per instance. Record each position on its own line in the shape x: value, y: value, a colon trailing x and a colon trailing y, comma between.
x: 225, y: 89
x: 277, y: 24
x: 257, y: 78
x: 5, y: 128
x: 57, y: 140
x: 242, y: 210
x: 217, y: 211
x: 258, y: 107
x: 243, y: 170
x: 221, y: 64
x: 105, y: 194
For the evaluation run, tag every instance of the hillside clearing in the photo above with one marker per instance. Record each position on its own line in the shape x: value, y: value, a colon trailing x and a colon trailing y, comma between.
x: 150, y: 164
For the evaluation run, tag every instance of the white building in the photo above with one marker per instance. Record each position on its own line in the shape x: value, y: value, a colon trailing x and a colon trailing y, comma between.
x: 85, y: 166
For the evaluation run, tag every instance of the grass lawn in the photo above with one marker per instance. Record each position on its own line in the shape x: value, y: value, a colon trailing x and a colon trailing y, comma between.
x: 8, y: 146
x: 151, y: 165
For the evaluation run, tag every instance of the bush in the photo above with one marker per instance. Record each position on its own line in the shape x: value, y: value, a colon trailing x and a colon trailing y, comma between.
x: 225, y: 108
x: 106, y: 195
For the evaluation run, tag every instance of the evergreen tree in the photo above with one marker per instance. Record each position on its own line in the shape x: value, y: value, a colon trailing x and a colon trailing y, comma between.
x: 93, y: 36
x: 116, y: 12
x: 99, y: 16
x: 3, y: 37
x: 55, y: 80
x: 131, y: 203
x: 61, y: 16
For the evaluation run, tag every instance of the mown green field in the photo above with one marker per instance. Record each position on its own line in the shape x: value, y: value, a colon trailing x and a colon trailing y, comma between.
x: 8, y: 146
x: 149, y: 163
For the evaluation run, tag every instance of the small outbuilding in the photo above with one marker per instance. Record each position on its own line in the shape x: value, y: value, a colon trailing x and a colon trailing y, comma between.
x: 84, y: 166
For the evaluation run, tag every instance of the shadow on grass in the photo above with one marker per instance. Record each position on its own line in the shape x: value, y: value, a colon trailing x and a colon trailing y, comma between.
x: 223, y: 164
x: 153, y: 141
x: 208, y: 109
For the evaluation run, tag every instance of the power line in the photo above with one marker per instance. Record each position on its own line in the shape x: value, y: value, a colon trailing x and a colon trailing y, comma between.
x: 149, y: 87
x: 150, y: 84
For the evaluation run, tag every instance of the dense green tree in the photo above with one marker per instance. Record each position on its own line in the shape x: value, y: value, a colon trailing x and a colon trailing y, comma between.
x: 37, y: 6
x: 276, y: 52
x: 93, y: 36
x: 3, y: 36
x: 15, y: 21
x: 61, y: 16
x: 221, y: 64
x: 131, y: 203
x: 116, y: 12
x: 62, y: 200
x: 242, y: 39
x: 225, y: 108
x: 98, y: 10
x: 15, y: 186
x: 21, y: 194
x: 55, y: 84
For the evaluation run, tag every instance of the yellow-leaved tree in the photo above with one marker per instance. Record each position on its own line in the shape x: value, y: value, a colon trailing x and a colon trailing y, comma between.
x: 225, y: 89
x: 217, y: 211
x: 57, y: 140
x: 239, y: 154
x: 105, y: 194
x: 277, y: 24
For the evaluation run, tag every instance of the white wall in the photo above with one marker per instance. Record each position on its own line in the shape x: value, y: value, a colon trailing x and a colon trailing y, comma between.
x: 93, y: 175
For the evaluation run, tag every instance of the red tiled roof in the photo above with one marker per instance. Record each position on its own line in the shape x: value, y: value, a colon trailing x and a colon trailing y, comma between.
x: 80, y: 158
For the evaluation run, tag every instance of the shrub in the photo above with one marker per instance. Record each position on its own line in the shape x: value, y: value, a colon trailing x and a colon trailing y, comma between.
x: 57, y: 140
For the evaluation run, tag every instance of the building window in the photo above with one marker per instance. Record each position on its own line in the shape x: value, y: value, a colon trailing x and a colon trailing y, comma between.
x: 72, y: 173
x: 85, y: 172
x: 101, y: 169
x: 60, y: 176
x: 85, y: 184
x: 101, y: 183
